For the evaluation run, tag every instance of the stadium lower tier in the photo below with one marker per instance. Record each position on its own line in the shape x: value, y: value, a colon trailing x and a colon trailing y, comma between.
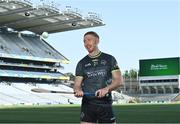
x: 12, y: 93
x: 158, y: 98
x: 20, y: 93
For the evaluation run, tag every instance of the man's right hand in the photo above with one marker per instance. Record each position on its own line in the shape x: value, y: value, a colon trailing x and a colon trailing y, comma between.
x: 77, y: 86
x: 78, y: 93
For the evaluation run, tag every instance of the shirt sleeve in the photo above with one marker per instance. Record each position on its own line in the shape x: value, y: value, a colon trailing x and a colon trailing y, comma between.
x: 114, y: 65
x: 79, y: 69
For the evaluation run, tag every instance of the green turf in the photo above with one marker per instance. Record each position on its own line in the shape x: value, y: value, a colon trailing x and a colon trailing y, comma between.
x: 141, y: 113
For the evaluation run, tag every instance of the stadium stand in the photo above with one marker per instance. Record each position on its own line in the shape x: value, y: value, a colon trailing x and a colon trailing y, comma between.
x: 119, y: 98
x: 159, y: 79
x: 176, y: 98
x: 20, y: 93
x: 26, y: 60
x: 157, y: 98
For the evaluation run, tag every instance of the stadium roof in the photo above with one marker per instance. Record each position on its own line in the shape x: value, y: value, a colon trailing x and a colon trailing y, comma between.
x: 22, y: 15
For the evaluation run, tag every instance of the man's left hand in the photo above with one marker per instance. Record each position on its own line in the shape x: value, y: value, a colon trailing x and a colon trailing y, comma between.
x: 102, y: 92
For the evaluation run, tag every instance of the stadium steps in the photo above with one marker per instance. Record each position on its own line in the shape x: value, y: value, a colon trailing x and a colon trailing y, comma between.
x: 6, y: 100
x: 66, y: 97
x: 176, y: 98
x: 157, y: 97
x: 37, y: 97
x: 17, y: 99
x: 19, y: 96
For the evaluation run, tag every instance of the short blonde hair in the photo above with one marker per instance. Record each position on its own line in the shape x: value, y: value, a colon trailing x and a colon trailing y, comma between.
x: 92, y: 33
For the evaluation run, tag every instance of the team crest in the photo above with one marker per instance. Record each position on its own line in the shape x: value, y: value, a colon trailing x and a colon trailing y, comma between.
x: 95, y: 61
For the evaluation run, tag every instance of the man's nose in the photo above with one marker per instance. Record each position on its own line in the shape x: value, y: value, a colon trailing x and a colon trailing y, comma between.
x: 86, y: 44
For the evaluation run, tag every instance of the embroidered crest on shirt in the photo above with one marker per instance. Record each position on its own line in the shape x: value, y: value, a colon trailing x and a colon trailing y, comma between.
x: 95, y: 62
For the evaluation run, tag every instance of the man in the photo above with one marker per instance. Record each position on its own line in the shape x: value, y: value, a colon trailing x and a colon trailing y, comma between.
x: 96, y: 73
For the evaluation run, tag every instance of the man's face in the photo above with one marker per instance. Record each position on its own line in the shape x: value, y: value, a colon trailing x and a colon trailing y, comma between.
x: 90, y: 42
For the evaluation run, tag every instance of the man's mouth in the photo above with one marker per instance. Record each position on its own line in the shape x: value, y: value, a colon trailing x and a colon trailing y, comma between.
x: 89, y: 48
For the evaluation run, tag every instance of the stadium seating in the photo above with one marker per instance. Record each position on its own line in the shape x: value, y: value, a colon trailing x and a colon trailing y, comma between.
x: 157, y: 98
x: 27, y: 45
x: 20, y: 93
x: 119, y: 98
x: 26, y: 60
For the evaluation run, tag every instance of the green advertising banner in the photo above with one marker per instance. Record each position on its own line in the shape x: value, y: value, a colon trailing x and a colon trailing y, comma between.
x: 159, y: 67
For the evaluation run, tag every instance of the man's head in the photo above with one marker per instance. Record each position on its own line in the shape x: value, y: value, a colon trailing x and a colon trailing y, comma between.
x: 91, y: 40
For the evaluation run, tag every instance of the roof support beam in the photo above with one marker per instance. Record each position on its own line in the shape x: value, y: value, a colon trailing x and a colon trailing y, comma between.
x: 49, y: 25
x: 15, y: 11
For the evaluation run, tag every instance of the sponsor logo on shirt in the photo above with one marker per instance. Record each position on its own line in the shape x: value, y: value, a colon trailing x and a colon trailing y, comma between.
x: 87, y: 65
x: 101, y: 72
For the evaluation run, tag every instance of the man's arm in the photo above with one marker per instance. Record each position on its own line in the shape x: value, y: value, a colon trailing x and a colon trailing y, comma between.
x: 77, y: 86
x: 117, y: 81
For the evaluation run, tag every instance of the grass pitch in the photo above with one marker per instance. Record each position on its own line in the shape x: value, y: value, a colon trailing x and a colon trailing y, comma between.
x: 133, y: 113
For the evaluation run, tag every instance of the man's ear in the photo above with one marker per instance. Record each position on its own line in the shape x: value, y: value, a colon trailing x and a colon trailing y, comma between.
x: 97, y: 40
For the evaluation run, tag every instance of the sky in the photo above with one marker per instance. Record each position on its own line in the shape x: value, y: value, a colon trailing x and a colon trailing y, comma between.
x: 134, y: 30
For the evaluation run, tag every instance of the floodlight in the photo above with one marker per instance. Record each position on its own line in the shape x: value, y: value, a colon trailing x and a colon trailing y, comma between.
x: 45, y: 35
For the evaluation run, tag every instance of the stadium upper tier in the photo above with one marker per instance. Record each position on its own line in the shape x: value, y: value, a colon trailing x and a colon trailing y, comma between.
x: 22, y: 15
x: 28, y: 47
x: 5, y: 64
